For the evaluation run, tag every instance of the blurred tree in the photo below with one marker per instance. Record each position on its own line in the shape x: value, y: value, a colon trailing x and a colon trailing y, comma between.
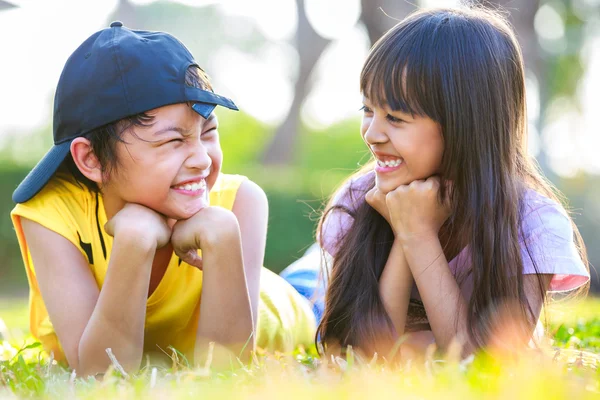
x: 377, y: 15
x: 204, y: 30
x: 521, y: 14
x: 556, y: 70
x: 5, y: 5
x: 310, y: 45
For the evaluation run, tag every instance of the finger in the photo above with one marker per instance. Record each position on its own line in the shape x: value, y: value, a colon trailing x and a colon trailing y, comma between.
x: 393, y: 196
x: 193, y: 259
x: 189, y: 256
x: 370, y: 196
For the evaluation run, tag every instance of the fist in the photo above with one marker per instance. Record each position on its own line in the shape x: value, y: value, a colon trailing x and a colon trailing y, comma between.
x: 415, y: 209
x: 144, y: 223
x: 209, y: 227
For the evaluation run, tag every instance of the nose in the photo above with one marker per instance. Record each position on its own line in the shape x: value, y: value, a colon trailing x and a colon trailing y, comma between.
x: 198, y: 157
x: 375, y: 130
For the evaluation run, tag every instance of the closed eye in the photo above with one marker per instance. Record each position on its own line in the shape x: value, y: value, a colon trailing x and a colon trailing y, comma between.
x: 209, y: 132
x: 393, y: 119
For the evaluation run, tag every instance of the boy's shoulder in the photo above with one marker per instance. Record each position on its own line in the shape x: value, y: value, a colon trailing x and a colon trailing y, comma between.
x: 63, y: 205
x: 228, y: 182
x: 224, y: 191
x: 62, y: 187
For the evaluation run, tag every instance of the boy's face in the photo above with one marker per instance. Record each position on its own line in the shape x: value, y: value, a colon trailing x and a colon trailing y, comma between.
x: 168, y: 166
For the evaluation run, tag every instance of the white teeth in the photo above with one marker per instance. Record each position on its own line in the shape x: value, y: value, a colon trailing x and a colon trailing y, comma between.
x: 389, y: 163
x: 192, y: 187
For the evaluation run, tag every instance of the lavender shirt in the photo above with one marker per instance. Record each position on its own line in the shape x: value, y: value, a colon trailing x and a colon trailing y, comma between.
x: 546, y: 229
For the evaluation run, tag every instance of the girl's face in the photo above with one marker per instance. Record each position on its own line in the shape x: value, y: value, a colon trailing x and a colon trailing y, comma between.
x: 406, y: 148
x: 169, y: 166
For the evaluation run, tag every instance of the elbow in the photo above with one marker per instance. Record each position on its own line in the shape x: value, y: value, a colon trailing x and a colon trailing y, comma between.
x: 95, y: 361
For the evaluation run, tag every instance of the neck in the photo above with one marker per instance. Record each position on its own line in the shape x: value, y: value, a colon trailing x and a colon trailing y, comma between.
x: 112, y: 205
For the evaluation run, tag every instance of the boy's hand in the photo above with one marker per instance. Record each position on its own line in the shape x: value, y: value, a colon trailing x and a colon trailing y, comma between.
x: 209, y: 227
x: 142, y: 222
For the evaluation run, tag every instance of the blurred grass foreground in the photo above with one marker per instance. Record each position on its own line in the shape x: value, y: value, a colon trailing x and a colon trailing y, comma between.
x: 566, y: 368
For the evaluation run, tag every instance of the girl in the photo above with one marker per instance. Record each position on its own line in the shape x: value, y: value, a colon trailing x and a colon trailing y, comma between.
x: 131, y: 237
x: 451, y: 226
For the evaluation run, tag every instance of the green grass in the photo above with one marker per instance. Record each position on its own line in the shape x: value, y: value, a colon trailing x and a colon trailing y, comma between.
x: 14, y: 316
x: 568, y: 369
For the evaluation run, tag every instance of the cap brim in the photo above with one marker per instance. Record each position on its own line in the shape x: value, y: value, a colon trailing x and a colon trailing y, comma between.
x: 204, y: 109
x: 206, y: 101
x: 41, y: 173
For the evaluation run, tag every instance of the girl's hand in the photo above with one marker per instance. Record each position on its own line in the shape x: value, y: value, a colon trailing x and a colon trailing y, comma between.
x: 141, y: 222
x: 415, y: 210
x: 211, y: 226
x: 377, y: 200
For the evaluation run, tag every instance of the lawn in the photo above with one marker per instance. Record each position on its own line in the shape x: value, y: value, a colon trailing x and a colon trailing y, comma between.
x: 565, y: 369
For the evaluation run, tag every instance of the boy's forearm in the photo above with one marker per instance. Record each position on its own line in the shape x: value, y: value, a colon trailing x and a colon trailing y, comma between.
x: 117, y: 321
x: 225, y: 311
x: 395, y: 286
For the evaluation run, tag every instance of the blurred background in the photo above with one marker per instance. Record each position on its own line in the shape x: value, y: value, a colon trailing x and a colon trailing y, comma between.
x: 292, y: 66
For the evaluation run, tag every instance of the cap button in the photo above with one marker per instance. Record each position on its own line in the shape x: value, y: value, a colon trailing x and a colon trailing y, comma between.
x: 116, y: 24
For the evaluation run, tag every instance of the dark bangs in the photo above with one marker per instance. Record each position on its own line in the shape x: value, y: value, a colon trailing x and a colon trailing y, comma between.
x: 438, y: 64
x: 400, y: 70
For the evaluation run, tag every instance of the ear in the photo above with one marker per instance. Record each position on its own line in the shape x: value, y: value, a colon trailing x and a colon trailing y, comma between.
x: 85, y: 159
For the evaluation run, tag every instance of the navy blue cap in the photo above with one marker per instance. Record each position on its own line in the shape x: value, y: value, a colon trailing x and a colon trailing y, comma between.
x: 114, y: 74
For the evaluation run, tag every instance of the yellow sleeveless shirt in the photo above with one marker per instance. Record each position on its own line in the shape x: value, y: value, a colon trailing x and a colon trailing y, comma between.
x: 285, y: 318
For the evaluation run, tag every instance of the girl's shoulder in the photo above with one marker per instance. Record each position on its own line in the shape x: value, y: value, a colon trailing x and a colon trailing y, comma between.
x: 548, y: 242
x: 352, y: 193
x: 339, y: 216
x: 541, y: 214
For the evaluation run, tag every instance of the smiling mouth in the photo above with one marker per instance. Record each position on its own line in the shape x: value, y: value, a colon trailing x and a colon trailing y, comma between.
x: 192, y: 186
x: 389, y: 162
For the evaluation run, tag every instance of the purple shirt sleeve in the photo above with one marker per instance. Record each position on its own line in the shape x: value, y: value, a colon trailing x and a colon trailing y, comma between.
x: 547, y: 244
x: 339, y: 221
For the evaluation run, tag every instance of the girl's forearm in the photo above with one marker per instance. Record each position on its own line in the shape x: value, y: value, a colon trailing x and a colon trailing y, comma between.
x: 395, y: 286
x: 117, y: 321
x: 225, y: 311
x: 444, y: 303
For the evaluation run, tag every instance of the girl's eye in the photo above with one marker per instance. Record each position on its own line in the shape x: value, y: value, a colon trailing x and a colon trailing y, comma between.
x: 176, y: 140
x: 366, y: 109
x: 393, y: 119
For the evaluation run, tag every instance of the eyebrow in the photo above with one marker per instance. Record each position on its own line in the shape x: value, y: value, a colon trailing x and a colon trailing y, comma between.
x: 181, y: 131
